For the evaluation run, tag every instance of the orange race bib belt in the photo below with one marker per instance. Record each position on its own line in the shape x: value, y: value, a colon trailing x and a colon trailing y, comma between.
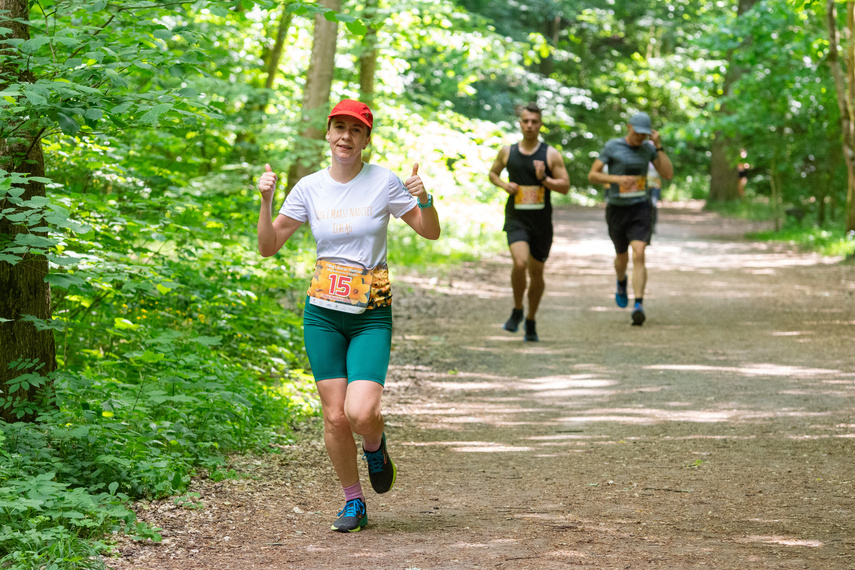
x: 349, y: 289
x: 530, y: 198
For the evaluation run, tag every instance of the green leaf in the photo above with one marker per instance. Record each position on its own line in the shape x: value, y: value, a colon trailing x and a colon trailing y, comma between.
x: 124, y: 324
x: 119, y: 109
x: 152, y: 116
x: 34, y: 97
x: 68, y: 125
x: 207, y: 340
x: 357, y: 28
x: 150, y: 357
x: 32, y: 45
x: 34, y: 240
x: 63, y: 280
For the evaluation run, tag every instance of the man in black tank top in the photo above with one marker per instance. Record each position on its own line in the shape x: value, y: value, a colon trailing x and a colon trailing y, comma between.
x: 535, y: 170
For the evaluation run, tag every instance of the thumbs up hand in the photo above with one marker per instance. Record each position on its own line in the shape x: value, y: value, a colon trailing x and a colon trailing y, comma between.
x: 415, y: 186
x: 267, y: 183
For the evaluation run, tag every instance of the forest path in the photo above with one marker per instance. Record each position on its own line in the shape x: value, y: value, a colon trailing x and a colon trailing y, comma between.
x: 719, y: 434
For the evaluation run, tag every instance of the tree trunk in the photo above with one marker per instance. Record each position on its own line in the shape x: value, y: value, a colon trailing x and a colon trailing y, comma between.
x: 23, y: 290
x: 368, y: 57
x: 276, y: 52
x: 316, y: 97
x: 245, y: 139
x: 368, y: 63
x: 844, y: 90
x: 724, y: 175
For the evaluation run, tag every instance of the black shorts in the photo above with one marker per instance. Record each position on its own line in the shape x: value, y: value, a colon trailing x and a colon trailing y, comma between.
x: 629, y: 223
x: 539, y: 239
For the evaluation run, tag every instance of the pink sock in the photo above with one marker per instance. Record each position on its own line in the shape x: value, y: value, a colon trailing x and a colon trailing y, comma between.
x: 353, y: 492
x: 371, y: 446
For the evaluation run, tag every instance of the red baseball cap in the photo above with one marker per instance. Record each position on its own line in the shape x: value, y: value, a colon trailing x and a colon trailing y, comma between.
x: 355, y: 109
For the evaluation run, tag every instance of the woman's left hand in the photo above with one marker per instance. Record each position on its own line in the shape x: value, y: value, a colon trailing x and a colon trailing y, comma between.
x: 415, y: 186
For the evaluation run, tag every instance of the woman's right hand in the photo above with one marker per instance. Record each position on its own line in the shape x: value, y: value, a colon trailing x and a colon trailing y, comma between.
x: 267, y: 183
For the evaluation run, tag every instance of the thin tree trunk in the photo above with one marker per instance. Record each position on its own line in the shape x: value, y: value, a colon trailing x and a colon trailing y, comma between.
x: 23, y: 290
x: 316, y: 97
x: 724, y: 175
x: 368, y: 57
x: 844, y: 101
x: 368, y: 62
x: 246, y: 137
x: 276, y: 52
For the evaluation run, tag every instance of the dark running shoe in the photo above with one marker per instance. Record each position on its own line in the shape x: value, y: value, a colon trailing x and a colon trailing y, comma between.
x: 638, y: 315
x: 530, y: 331
x: 513, y: 323
x: 352, y: 518
x: 621, y: 298
x: 381, y: 470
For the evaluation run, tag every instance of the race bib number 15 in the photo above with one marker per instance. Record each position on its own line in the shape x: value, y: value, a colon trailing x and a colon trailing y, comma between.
x: 340, y: 287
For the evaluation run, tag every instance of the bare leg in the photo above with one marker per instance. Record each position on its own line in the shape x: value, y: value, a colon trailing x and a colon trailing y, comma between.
x: 362, y: 408
x: 621, y: 264
x: 338, y: 436
x: 536, y: 286
x: 520, y: 256
x: 639, y: 269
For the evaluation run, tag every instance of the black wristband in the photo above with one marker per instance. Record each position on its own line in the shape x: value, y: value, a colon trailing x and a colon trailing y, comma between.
x: 660, y: 148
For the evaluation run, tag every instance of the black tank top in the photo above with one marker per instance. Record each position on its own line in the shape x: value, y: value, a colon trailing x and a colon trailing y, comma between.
x: 521, y: 170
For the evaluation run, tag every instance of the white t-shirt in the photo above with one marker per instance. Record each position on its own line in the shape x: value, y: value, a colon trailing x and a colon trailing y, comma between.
x: 349, y: 221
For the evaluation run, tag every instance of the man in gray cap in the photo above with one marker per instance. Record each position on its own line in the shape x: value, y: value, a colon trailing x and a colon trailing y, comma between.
x: 629, y: 212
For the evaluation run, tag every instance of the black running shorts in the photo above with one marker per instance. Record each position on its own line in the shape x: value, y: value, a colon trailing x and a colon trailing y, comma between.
x: 539, y: 239
x: 629, y: 223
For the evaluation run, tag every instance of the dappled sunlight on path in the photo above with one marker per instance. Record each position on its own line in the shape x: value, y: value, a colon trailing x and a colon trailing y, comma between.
x: 717, y: 435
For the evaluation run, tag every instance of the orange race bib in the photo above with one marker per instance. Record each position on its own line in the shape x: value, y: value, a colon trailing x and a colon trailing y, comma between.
x: 530, y: 198
x: 341, y: 287
x: 637, y: 185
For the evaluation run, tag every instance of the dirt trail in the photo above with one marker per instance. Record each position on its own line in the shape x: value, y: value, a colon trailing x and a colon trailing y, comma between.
x: 720, y: 434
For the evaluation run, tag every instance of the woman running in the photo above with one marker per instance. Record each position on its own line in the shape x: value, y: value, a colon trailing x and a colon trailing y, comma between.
x: 347, y: 321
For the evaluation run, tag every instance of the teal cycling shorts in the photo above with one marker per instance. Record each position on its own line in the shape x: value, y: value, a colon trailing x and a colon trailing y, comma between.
x: 344, y: 345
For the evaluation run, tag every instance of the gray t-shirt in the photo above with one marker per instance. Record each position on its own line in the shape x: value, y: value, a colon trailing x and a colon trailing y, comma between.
x: 623, y: 159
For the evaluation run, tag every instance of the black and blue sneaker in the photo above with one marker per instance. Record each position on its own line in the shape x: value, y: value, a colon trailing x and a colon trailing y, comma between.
x: 530, y: 331
x: 638, y: 315
x: 513, y: 322
x: 352, y: 518
x: 621, y: 298
x: 381, y: 470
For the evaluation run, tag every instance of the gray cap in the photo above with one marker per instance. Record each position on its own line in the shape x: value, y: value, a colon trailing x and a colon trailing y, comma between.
x: 641, y: 123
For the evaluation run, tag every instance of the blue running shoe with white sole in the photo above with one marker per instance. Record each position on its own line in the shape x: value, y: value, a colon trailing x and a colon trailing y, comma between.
x: 352, y: 518
x: 621, y: 298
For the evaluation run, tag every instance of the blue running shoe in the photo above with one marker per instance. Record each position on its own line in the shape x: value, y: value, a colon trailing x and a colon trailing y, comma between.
x: 352, y: 518
x: 381, y: 470
x: 638, y: 315
x: 621, y: 298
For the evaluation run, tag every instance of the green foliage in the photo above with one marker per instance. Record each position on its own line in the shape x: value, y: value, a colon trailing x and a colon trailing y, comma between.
x: 824, y: 242
x: 177, y: 343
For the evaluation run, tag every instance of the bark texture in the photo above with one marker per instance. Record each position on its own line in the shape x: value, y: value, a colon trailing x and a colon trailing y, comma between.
x: 724, y: 174
x: 316, y: 97
x: 845, y: 87
x: 23, y: 290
